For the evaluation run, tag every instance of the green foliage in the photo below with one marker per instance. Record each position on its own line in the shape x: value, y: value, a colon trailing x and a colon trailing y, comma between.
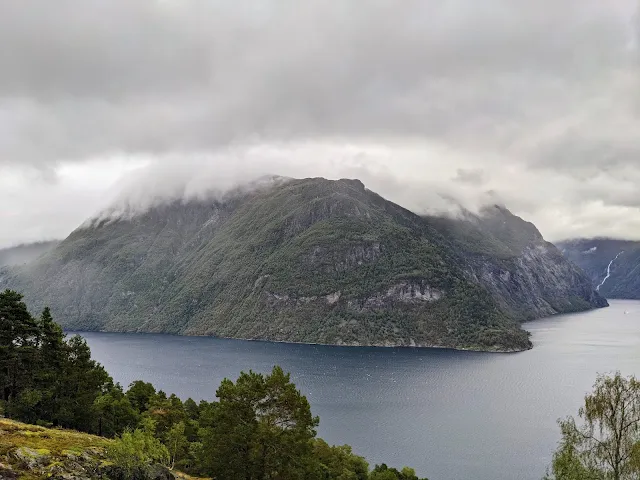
x: 114, y: 412
x: 140, y: 394
x: 138, y: 449
x: 606, y: 444
x: 382, y: 472
x: 260, y: 428
x: 43, y: 376
x: 339, y: 462
x: 177, y: 443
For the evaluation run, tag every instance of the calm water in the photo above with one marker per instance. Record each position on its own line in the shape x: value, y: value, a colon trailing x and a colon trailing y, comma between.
x: 451, y: 415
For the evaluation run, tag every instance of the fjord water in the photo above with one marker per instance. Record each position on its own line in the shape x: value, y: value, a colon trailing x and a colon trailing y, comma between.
x: 451, y: 415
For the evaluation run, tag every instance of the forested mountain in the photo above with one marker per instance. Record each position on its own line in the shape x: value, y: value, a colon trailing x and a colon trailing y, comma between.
x: 613, y: 265
x: 309, y: 260
x: 24, y: 253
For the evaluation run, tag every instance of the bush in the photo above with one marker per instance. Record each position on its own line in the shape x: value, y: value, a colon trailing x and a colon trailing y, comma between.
x: 138, y: 450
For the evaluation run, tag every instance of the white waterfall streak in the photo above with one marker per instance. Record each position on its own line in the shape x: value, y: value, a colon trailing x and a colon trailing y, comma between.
x: 608, y: 271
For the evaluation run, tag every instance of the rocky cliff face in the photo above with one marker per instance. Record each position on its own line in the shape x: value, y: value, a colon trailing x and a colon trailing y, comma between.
x: 529, y: 276
x: 308, y: 260
x: 613, y: 265
x: 537, y: 283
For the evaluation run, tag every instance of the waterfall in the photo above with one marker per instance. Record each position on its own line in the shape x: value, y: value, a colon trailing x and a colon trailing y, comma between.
x: 608, y: 271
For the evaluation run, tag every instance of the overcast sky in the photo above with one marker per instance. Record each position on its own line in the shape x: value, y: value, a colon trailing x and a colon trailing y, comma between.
x: 535, y: 104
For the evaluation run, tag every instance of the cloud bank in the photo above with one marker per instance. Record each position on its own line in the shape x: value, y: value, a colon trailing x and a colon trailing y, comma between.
x: 537, y: 103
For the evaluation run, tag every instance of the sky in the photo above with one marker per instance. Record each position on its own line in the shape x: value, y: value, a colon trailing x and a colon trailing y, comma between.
x: 535, y: 105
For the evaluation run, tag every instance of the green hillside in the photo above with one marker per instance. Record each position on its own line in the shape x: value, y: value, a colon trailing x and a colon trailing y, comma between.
x: 309, y: 260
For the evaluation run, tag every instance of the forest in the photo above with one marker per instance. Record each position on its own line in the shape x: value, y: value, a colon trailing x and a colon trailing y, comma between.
x: 259, y: 427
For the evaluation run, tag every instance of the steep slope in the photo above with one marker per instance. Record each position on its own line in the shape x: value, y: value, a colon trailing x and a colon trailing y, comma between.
x: 528, y: 276
x: 613, y: 265
x: 307, y: 260
x: 24, y: 253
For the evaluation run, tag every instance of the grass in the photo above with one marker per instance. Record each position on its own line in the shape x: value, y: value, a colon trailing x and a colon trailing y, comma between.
x: 61, y: 448
x: 53, y: 441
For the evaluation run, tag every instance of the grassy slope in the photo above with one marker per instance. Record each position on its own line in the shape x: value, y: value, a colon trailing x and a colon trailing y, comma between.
x: 50, y: 451
x: 54, y: 449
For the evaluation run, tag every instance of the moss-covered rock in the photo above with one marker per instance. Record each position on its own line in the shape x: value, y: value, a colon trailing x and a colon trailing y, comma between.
x: 28, y: 452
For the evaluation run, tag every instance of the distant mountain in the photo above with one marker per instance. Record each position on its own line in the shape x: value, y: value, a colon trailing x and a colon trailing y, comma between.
x: 613, y: 265
x: 24, y: 253
x: 313, y: 261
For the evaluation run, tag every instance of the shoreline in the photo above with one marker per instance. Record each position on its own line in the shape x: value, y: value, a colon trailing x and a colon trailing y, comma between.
x: 290, y: 342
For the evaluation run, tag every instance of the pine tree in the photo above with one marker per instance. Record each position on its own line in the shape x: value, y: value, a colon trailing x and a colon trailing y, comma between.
x: 262, y: 429
x: 83, y: 380
x: 52, y: 354
x: 18, y: 347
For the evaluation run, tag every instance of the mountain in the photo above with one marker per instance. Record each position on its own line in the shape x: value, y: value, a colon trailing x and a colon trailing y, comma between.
x: 309, y: 260
x: 613, y: 265
x: 528, y: 276
x: 24, y: 253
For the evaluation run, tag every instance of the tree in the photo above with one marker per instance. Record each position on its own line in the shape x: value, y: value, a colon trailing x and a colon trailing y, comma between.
x: 191, y: 409
x: 18, y: 346
x: 82, y: 381
x: 52, y: 354
x: 134, y: 451
x: 339, y: 462
x: 165, y: 412
x: 176, y: 443
x: 140, y: 394
x: 606, y: 443
x: 382, y: 472
x: 114, y: 412
x: 260, y: 429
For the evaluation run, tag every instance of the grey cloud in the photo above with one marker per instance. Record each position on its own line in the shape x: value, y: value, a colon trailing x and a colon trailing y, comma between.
x: 97, y: 77
x: 473, y: 176
x: 537, y: 102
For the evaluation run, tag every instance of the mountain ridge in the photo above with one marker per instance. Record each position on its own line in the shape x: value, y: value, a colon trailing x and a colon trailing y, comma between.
x: 310, y: 261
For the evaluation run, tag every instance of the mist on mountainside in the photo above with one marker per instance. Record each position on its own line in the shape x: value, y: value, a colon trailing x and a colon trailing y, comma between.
x: 21, y: 254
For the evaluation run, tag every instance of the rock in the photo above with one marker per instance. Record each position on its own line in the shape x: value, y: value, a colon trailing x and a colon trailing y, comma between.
x: 31, y: 458
x: 158, y: 472
x: 6, y: 472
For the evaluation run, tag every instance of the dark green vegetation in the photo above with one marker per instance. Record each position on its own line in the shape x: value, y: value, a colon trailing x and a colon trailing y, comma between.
x: 594, y: 256
x: 259, y: 428
x: 604, y: 444
x: 21, y: 254
x: 313, y: 261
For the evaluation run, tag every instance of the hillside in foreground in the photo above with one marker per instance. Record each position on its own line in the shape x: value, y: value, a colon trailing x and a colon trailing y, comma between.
x: 29, y: 452
x: 311, y: 260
